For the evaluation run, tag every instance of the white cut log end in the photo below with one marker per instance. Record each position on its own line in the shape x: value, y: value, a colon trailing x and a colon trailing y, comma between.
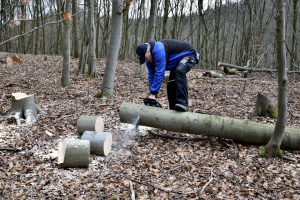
x: 101, y: 142
x: 74, y: 153
x: 19, y: 96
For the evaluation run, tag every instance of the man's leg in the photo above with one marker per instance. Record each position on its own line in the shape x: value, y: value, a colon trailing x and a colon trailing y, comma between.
x: 171, y: 90
x: 182, y: 69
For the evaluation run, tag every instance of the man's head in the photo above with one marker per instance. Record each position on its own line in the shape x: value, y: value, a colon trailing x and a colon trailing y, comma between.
x: 141, y: 52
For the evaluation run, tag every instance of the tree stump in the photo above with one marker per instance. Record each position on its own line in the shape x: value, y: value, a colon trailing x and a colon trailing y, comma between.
x: 74, y: 153
x: 265, y: 106
x: 100, y: 142
x: 90, y: 123
x: 23, y: 106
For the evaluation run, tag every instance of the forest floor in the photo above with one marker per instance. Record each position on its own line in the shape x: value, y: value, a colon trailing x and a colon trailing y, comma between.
x: 158, y: 167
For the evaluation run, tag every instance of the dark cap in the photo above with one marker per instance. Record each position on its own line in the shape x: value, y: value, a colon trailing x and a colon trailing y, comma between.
x: 141, y: 51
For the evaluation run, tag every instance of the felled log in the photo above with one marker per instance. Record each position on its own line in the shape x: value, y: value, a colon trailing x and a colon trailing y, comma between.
x: 210, y: 125
x: 265, y: 106
x: 74, y: 153
x: 100, y: 142
x: 90, y: 123
x: 212, y: 74
x: 23, y: 106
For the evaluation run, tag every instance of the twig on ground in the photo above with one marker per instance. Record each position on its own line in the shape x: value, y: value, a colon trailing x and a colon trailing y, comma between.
x: 168, y: 170
x: 132, y: 191
x: 147, y: 184
x: 289, y: 158
x: 242, y: 93
x: 179, y: 138
x: 130, y: 78
x: 211, y: 179
x: 10, y: 149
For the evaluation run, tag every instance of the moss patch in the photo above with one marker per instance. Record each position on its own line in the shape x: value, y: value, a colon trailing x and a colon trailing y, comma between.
x: 273, y: 113
x: 262, y: 153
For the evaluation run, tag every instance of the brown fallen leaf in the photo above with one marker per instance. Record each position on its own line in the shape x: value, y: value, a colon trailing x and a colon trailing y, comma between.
x: 67, y: 16
x: 17, y: 59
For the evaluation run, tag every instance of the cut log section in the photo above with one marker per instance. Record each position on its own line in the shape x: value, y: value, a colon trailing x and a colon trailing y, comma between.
x: 265, y: 106
x: 74, y: 153
x: 90, y: 123
x: 100, y: 142
x: 210, y: 125
x: 23, y: 106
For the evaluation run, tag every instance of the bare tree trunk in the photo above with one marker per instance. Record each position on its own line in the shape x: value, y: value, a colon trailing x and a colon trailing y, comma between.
x: 113, y: 51
x: 37, y: 39
x: 152, y: 19
x: 272, y: 148
x: 65, y: 75
x: 294, y: 52
x: 75, y: 29
x: 84, y: 46
x: 165, y: 20
x: 92, y: 40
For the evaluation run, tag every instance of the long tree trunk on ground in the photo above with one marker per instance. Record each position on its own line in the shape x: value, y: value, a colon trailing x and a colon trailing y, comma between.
x: 274, y: 143
x: 92, y: 40
x: 113, y: 51
x: 65, y: 75
x: 75, y: 29
x: 216, y: 126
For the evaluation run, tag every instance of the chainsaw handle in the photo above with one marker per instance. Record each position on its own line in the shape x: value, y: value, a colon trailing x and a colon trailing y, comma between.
x: 152, y: 102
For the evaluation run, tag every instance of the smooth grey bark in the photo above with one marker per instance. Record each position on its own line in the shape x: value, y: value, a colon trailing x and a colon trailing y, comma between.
x: 294, y: 56
x: 152, y: 21
x: 107, y: 85
x: 65, y: 75
x: 194, y: 123
x: 74, y: 153
x: 140, y: 70
x: 100, y: 142
x: 274, y: 143
x: 75, y: 29
x: 92, y: 41
x: 165, y: 19
x: 84, y: 46
x: 90, y: 123
x: 23, y: 106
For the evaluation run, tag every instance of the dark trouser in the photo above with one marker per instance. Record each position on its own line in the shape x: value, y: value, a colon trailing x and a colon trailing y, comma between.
x: 177, y: 87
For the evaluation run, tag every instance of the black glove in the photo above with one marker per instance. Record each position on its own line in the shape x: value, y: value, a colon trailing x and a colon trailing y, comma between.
x: 152, y: 102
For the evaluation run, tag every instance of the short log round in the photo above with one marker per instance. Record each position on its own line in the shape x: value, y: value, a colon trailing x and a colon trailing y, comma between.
x: 100, y: 142
x: 90, y: 123
x: 74, y: 153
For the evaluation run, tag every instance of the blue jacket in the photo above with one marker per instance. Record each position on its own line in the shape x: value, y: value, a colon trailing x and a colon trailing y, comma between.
x: 166, y: 54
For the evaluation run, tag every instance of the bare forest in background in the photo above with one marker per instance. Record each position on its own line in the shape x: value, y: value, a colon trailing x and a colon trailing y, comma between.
x: 222, y: 31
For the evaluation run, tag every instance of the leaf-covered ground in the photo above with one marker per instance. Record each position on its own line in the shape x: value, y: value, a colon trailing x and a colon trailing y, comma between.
x: 158, y: 167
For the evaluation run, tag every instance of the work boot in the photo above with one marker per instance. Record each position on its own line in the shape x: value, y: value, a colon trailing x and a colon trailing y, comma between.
x: 181, y: 108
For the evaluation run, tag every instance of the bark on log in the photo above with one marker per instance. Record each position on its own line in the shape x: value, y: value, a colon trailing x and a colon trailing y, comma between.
x: 74, y: 153
x: 90, y: 123
x: 23, y: 106
x: 265, y: 106
x: 194, y: 123
x: 251, y: 69
x: 100, y: 142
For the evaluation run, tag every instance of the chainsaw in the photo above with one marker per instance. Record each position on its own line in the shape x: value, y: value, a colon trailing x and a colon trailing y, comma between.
x: 152, y: 102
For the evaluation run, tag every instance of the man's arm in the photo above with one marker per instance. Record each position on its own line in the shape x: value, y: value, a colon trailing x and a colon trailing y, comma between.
x: 159, y: 56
